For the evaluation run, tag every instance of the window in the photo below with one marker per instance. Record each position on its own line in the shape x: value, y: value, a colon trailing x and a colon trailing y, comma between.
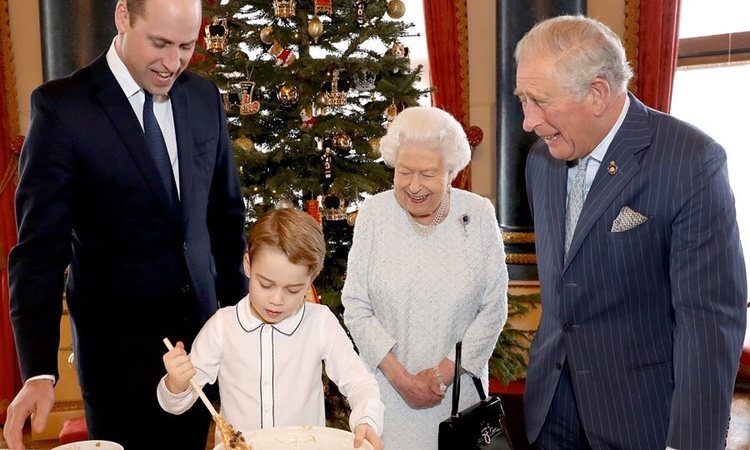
x: 712, y: 88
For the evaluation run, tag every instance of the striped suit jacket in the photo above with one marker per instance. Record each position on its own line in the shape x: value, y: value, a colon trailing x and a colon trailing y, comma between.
x: 650, y: 320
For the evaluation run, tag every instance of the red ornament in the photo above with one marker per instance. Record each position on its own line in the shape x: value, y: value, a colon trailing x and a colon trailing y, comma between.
x: 312, y: 207
x: 475, y: 135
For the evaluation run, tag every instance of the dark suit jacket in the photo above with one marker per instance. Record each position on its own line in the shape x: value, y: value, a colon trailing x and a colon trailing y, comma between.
x: 140, y: 270
x: 651, y: 320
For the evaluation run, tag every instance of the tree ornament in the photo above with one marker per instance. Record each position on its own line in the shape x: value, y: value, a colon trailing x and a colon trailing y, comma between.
x: 395, y: 9
x: 231, y: 101
x: 341, y: 142
x: 375, y: 148
x: 284, y: 57
x: 284, y: 202
x: 266, y: 35
x: 364, y: 80
x: 335, y: 91
x: 334, y: 207
x: 285, y: 8
x: 247, y: 104
x: 351, y: 218
x: 390, y: 113
x: 241, y: 56
x: 217, y: 35
x: 312, y: 207
x: 315, y: 28
x: 398, y: 50
x: 323, y: 6
x: 245, y: 143
x: 359, y: 12
x: 325, y: 147
x: 288, y: 95
x: 307, y: 115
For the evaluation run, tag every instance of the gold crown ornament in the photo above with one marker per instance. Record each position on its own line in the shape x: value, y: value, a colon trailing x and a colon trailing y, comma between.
x: 335, y: 91
x: 217, y: 35
x: 285, y: 8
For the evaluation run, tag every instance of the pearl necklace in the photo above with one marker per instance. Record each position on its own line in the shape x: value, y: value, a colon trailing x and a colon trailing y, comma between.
x: 426, y: 230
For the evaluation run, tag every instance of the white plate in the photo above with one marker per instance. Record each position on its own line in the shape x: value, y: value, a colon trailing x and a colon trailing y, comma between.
x: 300, y: 438
x: 90, y: 445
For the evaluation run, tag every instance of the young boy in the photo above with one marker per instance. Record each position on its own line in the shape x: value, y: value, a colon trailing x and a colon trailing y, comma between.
x: 267, y: 351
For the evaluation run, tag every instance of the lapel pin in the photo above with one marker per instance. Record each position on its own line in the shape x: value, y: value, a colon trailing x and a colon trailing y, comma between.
x: 612, y: 168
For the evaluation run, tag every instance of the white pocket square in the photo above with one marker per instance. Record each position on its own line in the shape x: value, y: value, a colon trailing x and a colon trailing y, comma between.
x: 627, y: 220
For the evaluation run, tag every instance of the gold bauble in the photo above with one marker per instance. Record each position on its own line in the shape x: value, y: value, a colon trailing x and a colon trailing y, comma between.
x: 375, y: 146
x: 315, y: 28
x: 240, y: 55
x: 288, y: 94
x: 342, y: 141
x: 395, y: 9
x: 266, y: 35
x: 245, y: 143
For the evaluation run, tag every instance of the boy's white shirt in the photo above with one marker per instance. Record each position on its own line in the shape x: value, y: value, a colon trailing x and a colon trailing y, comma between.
x: 270, y: 374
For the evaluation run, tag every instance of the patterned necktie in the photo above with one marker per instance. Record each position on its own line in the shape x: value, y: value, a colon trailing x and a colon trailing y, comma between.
x: 575, y: 201
x: 158, y: 146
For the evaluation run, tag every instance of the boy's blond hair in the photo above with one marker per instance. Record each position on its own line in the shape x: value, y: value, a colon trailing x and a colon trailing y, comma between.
x: 293, y: 232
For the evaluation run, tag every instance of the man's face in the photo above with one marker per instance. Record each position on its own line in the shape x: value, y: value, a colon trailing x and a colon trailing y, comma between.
x: 158, y: 45
x: 567, y: 125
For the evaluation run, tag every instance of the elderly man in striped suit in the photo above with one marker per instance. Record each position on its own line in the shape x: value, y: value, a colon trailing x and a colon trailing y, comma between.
x: 642, y: 275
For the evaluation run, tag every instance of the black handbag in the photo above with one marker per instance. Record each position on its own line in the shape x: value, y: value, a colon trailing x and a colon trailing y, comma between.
x: 478, y: 427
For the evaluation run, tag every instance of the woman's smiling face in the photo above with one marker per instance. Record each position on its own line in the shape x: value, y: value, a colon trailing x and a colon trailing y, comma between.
x: 420, y: 180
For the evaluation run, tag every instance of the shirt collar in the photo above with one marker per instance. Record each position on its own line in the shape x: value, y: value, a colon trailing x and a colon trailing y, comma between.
x: 601, y: 149
x: 120, y: 71
x: 251, y: 323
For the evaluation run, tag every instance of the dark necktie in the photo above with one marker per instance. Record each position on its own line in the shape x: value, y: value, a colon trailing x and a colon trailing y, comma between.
x: 158, y: 146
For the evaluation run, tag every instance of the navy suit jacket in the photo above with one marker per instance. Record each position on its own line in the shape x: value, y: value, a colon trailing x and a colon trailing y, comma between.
x: 90, y: 200
x: 650, y: 320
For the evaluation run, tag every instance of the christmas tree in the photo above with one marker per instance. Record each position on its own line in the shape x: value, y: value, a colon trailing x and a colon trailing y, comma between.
x: 309, y: 87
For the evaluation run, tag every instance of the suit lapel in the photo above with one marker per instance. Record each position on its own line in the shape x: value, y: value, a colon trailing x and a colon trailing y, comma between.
x: 124, y: 120
x: 633, y: 136
x: 183, y: 132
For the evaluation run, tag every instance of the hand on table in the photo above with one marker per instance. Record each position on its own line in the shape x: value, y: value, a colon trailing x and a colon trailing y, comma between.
x: 36, y: 397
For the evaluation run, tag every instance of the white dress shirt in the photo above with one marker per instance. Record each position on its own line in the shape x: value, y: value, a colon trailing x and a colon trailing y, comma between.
x: 271, y: 374
x: 162, y: 107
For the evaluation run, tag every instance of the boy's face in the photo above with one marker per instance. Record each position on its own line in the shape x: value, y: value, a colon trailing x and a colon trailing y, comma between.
x: 277, y: 286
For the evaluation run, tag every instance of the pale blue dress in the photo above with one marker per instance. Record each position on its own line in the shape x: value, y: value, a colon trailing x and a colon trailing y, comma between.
x: 418, y: 295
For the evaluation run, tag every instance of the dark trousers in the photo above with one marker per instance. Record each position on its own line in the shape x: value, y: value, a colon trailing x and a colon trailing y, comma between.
x: 562, y: 430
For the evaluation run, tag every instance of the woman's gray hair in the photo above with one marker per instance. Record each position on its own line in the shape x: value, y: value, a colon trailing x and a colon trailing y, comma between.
x: 432, y: 127
x: 582, y: 48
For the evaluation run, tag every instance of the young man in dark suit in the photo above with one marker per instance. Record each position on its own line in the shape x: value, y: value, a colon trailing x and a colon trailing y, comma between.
x: 641, y: 268
x: 128, y: 181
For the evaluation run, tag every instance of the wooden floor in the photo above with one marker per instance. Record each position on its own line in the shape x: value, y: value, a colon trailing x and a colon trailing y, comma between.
x: 738, y: 437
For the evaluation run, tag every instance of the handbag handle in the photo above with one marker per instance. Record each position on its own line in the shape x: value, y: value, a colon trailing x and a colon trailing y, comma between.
x: 457, y: 382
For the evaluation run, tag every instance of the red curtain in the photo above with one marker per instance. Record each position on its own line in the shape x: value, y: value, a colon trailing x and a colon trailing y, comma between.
x: 651, y: 41
x: 10, y: 379
x: 446, y: 26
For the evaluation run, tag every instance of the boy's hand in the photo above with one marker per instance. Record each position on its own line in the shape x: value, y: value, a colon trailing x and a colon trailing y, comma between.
x: 363, y: 432
x: 179, y: 369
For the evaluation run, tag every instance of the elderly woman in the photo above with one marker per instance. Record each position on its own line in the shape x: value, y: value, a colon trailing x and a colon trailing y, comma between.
x: 426, y: 270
